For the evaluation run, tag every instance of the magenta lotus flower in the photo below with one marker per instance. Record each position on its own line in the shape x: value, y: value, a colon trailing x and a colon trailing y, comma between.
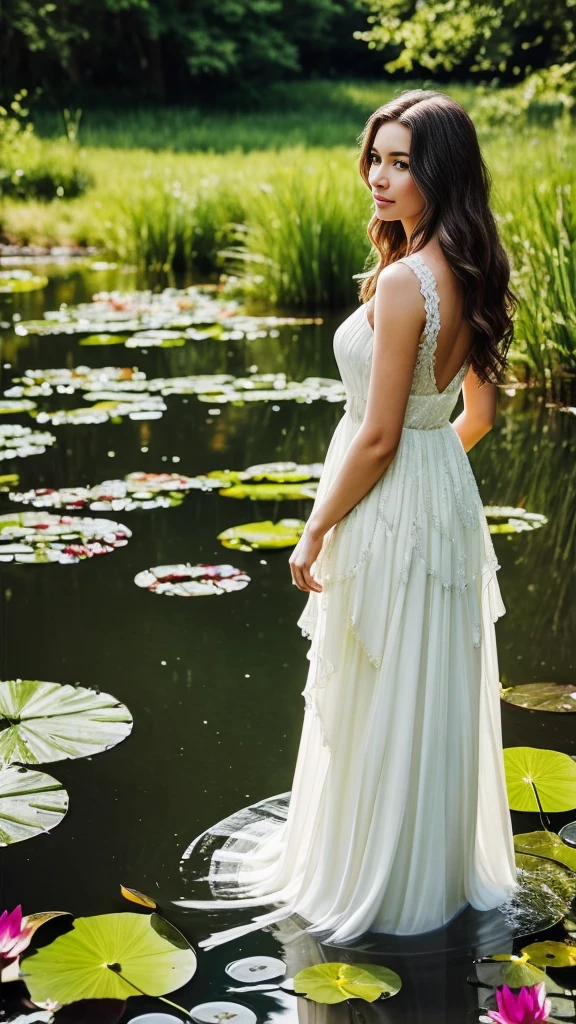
x: 14, y: 939
x: 529, y: 1006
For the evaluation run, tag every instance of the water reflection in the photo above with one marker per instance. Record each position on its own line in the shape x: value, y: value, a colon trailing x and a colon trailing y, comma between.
x: 215, y: 691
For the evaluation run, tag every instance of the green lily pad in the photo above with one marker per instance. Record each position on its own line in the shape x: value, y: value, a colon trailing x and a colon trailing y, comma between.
x: 516, y: 972
x: 12, y: 406
x: 551, y: 772
x: 558, y: 697
x: 47, y: 537
x: 512, y: 520
x: 101, y: 956
x: 49, y: 721
x: 30, y: 803
x: 546, y: 844
x: 14, y: 282
x: 17, y: 442
x: 336, y: 982
x: 266, y: 534
x: 272, y: 492
x: 192, y: 580
x: 543, y: 896
x: 551, y: 954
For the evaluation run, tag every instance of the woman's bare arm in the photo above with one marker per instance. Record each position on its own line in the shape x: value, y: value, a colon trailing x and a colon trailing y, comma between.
x: 479, y: 410
x: 399, y: 317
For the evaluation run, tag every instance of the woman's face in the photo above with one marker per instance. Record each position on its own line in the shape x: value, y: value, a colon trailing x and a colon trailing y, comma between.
x: 390, y: 177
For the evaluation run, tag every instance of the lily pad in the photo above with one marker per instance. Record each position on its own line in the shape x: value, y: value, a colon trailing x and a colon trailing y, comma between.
x: 256, y: 968
x: 85, y: 378
x: 14, y: 282
x: 74, y: 417
x: 101, y: 956
x: 15, y: 405
x: 266, y: 534
x: 542, y: 898
x: 509, y: 519
x: 272, y: 492
x: 275, y: 472
x: 192, y: 580
x: 546, y: 844
x: 136, y: 491
x: 558, y: 697
x: 337, y: 982
x: 50, y: 721
x: 551, y: 954
x: 17, y: 442
x: 30, y: 803
x: 551, y: 772
x: 222, y: 1011
x: 45, y: 537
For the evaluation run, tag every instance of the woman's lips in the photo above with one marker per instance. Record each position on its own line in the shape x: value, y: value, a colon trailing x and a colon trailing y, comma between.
x: 381, y: 201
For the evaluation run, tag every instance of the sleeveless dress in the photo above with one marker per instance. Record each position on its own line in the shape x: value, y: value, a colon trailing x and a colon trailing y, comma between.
x: 398, y: 816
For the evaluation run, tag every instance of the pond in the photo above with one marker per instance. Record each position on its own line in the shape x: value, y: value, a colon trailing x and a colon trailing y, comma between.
x: 215, y: 686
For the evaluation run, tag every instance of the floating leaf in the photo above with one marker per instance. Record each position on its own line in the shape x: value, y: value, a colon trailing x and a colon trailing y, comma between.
x: 560, y: 697
x: 272, y: 492
x: 137, y: 897
x: 14, y: 282
x: 256, y: 968
x: 336, y: 982
x: 30, y: 803
x: 110, y: 495
x: 50, y: 721
x: 222, y: 1012
x: 546, y: 844
x: 15, y: 405
x: 45, y: 537
x: 551, y: 954
x: 101, y: 956
x: 517, y: 520
x: 17, y: 442
x: 266, y: 534
x: 192, y: 580
x: 156, y: 1018
x: 553, y: 774
x: 542, y: 897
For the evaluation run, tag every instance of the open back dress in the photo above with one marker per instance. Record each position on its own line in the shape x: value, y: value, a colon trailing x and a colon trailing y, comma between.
x: 398, y: 816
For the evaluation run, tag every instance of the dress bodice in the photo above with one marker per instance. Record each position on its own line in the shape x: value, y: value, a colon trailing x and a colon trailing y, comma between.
x: 427, y: 408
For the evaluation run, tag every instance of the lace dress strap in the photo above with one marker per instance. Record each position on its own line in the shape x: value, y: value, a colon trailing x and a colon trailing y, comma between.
x: 427, y: 351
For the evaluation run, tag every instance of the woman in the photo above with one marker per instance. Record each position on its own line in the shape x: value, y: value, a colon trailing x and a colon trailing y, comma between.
x: 398, y: 817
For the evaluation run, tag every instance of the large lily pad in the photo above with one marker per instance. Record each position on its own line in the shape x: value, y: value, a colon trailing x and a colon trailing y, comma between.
x: 14, y: 282
x: 546, y: 844
x: 551, y: 954
x: 101, y: 956
x: 272, y: 492
x: 45, y: 537
x: 337, y: 982
x: 48, y: 722
x: 17, y: 442
x: 98, y: 340
x: 30, y: 803
x: 542, y: 898
x: 192, y: 580
x: 274, y: 472
x: 551, y: 772
x: 558, y: 697
x: 266, y: 534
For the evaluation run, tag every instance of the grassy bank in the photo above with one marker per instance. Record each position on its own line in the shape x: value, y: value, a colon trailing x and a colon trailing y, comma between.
x: 276, y: 199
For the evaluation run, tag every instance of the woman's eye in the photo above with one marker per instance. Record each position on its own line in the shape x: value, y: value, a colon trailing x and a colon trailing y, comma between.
x: 402, y: 163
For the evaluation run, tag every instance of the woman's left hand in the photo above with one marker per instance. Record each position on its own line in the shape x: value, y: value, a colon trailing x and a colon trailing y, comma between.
x: 304, y: 555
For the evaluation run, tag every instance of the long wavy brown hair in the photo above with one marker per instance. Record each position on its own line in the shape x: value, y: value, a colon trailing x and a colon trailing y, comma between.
x: 449, y: 170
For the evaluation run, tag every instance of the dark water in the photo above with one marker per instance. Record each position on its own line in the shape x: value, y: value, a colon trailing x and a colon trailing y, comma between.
x: 215, y: 685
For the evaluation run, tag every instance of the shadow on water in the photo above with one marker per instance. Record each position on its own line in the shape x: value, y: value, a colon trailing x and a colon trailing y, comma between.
x: 215, y: 686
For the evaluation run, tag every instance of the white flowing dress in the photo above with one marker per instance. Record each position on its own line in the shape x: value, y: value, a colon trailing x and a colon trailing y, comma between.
x: 398, y: 816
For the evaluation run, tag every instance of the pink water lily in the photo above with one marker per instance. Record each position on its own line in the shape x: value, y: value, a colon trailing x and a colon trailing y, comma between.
x: 14, y: 939
x: 528, y: 1006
